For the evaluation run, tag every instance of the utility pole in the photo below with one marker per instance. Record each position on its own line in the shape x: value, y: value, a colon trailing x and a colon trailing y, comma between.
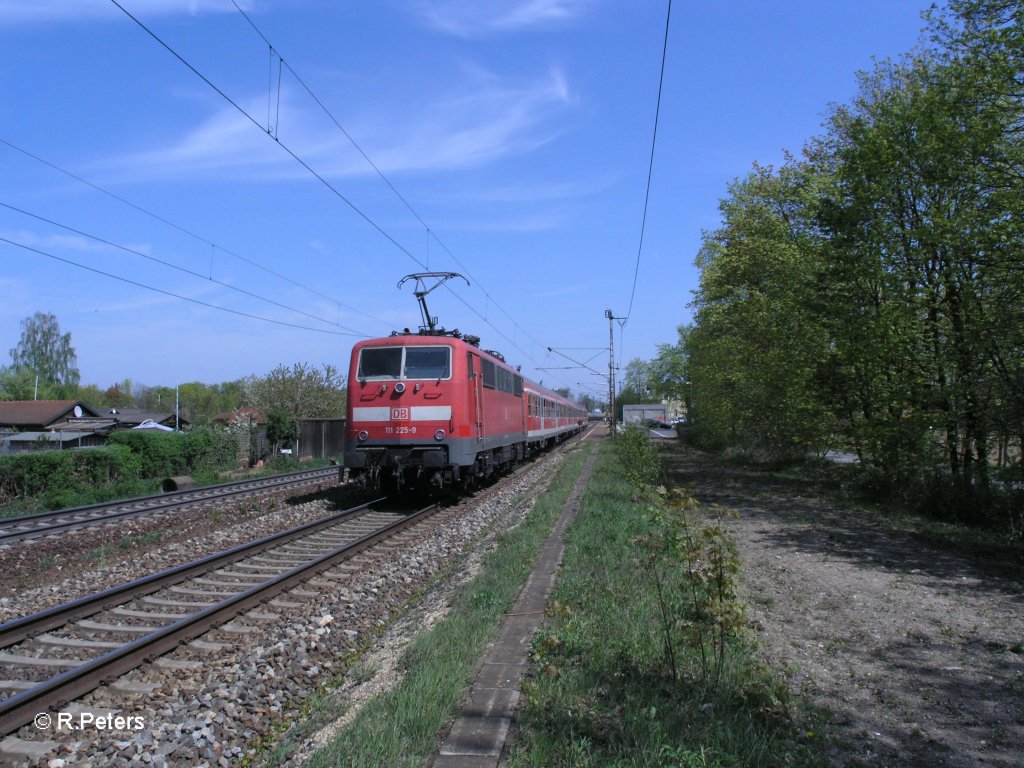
x: 611, y: 369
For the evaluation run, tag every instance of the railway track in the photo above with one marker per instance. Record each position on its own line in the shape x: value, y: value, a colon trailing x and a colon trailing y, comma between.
x: 60, y: 654
x: 64, y: 520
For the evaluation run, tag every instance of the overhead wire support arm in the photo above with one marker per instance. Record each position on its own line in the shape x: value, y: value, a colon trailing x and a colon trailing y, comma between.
x: 429, y: 323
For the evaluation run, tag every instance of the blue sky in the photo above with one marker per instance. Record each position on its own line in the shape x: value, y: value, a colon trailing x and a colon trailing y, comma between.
x: 517, y: 136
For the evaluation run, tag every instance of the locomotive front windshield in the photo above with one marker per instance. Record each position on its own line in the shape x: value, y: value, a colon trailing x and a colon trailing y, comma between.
x: 405, y: 363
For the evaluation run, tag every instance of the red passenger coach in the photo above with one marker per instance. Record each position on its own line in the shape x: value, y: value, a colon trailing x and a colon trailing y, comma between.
x: 431, y: 409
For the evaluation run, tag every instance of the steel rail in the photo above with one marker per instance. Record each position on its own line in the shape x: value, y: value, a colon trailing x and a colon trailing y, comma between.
x: 156, y: 504
x: 16, y: 630
x: 19, y: 710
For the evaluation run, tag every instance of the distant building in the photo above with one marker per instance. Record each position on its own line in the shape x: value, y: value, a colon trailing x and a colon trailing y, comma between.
x: 644, y: 412
x: 29, y: 425
x: 129, y: 418
x: 58, y: 424
x: 40, y: 415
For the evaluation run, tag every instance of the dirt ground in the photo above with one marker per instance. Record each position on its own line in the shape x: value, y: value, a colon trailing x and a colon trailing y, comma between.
x: 910, y: 653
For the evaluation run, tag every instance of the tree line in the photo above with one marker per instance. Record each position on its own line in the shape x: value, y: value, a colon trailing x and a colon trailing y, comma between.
x: 44, y: 366
x: 869, y: 294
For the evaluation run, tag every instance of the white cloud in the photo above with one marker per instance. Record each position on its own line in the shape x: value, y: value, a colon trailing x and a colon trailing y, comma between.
x: 48, y: 243
x: 485, y: 120
x: 478, y: 18
x: 480, y: 121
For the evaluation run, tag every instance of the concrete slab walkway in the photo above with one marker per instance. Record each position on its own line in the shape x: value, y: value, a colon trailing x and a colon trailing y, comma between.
x: 477, y: 738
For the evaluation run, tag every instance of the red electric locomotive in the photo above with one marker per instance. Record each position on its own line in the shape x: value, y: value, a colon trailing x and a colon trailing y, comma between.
x: 431, y: 409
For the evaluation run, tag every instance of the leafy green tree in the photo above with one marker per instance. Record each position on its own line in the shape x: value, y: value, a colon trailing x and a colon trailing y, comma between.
x: 302, y: 390
x: 157, y: 399
x: 20, y: 383
x: 48, y: 352
x: 754, y: 349
x: 638, y: 378
x: 118, y: 395
x: 669, y: 372
x: 924, y: 234
x: 91, y: 395
x: 982, y: 44
x: 876, y: 287
x: 282, y: 429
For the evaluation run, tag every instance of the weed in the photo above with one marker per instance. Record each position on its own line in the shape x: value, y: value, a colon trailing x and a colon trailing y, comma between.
x: 363, y: 672
x: 141, y: 540
x: 692, y: 567
x: 100, y: 553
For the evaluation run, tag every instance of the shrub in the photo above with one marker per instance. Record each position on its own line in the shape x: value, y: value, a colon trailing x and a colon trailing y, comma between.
x: 166, y: 454
x: 160, y: 454
x: 60, y: 475
x: 643, y: 468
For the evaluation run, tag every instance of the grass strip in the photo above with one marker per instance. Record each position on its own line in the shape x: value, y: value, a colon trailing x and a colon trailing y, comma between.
x: 603, y: 695
x: 400, y: 727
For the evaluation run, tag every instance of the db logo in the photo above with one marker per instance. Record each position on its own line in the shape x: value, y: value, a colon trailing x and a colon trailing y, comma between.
x: 398, y: 414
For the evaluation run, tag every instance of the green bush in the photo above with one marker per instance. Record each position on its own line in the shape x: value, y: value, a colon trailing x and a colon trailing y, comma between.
x: 53, y: 474
x: 126, y: 466
x: 167, y: 454
x: 643, y: 467
x: 160, y: 453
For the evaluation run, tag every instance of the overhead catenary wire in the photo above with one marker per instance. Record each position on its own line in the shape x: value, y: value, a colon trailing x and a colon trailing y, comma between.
x: 650, y: 165
x: 171, y: 293
x: 185, y: 270
x: 359, y: 211
x: 431, y: 234
x: 183, y: 230
x: 334, y: 190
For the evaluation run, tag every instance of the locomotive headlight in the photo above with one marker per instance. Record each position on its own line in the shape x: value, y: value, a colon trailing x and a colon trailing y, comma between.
x: 439, y: 435
x: 399, y: 387
x: 363, y: 434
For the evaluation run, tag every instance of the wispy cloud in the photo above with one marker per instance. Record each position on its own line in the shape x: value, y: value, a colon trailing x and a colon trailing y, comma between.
x: 480, y: 120
x: 49, y: 243
x: 51, y: 11
x: 483, y: 121
x: 479, y: 18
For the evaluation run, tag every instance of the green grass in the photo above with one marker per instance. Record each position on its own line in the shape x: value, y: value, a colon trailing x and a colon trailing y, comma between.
x: 401, y: 727
x: 603, y: 694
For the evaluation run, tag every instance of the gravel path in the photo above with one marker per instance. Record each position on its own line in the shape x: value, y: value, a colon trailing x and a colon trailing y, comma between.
x: 910, y: 652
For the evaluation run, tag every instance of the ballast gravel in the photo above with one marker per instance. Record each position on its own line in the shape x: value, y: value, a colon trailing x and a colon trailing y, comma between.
x: 41, y: 573
x: 212, y: 702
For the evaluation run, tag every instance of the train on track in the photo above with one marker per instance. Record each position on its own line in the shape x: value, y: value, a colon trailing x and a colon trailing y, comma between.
x: 431, y: 410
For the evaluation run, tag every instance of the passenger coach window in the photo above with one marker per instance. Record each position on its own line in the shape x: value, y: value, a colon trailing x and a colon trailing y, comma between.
x: 427, y: 362
x: 384, y: 363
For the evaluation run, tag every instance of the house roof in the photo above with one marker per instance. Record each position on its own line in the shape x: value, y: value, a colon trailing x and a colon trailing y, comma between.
x: 65, y: 436
x: 138, y: 416
x: 40, y: 413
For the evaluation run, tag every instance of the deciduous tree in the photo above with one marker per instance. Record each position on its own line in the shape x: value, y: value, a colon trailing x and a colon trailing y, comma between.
x: 46, y: 351
x: 302, y: 391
